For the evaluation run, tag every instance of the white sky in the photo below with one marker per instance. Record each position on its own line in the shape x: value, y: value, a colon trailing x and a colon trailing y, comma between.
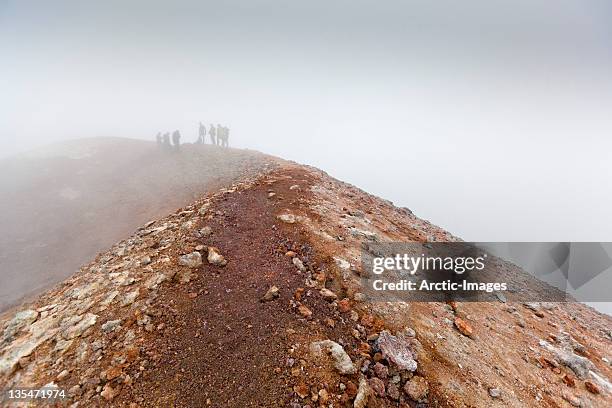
x: 489, y: 118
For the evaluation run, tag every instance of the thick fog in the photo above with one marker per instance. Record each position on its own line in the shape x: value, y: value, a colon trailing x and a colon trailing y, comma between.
x: 492, y: 119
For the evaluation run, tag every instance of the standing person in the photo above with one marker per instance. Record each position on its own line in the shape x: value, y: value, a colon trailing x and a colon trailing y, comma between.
x: 213, y: 134
x: 202, y: 134
x: 166, y: 140
x: 219, y: 134
x: 158, y: 138
x: 176, y: 139
x: 226, y: 137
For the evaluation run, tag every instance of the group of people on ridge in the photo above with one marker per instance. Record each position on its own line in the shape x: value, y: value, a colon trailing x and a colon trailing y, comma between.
x: 164, y: 140
x: 219, y: 135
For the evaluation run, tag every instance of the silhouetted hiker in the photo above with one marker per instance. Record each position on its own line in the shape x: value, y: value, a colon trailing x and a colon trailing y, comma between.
x: 219, y: 134
x: 158, y: 138
x: 213, y: 134
x: 176, y: 139
x: 166, y: 140
x: 223, y: 135
x: 202, y: 134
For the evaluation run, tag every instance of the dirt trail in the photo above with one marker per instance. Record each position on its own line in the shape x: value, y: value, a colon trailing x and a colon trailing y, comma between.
x: 230, y: 348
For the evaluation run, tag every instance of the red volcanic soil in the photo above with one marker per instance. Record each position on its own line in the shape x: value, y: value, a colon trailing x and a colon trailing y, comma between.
x: 63, y: 204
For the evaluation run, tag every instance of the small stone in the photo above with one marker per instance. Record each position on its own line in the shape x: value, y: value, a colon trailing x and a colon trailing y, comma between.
x: 571, y: 399
x: 592, y: 388
x: 19, y: 321
x: 63, y: 375
x: 294, y: 187
x: 287, y: 218
x: 81, y: 325
x: 192, y: 260
x: 110, y: 325
x: 108, y: 393
x: 130, y: 297
x: 271, y: 194
x: 494, y: 392
x: 463, y: 327
x: 299, y: 264
x: 344, y: 305
x: 363, y: 394
x: 145, y: 260
x: 328, y: 294
x: 304, y: 311
x: 323, y: 396
x: 113, y: 372
x: 205, y: 231
x: 75, y: 391
x: 271, y: 294
x: 417, y: 388
x: 342, y: 361
x: 215, y: 257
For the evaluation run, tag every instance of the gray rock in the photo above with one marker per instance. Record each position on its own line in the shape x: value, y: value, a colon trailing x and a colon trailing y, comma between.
x: 494, y: 392
x: 110, y: 325
x: 77, y: 329
x: 40, y: 331
x: 192, y: 260
x: 578, y: 364
x: 342, y: 361
x: 271, y: 294
x: 130, y: 297
x: 154, y: 281
x: 299, y: 264
x: 21, y: 320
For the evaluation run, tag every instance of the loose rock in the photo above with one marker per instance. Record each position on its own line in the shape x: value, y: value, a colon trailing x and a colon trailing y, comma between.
x: 342, y: 361
x: 328, y: 294
x: 463, y: 327
x: 363, y: 394
x: 215, y: 257
x: 271, y: 294
x: 110, y: 325
x: 396, y: 350
x: 287, y: 218
x: 192, y: 260
x: 417, y: 388
x: 298, y: 264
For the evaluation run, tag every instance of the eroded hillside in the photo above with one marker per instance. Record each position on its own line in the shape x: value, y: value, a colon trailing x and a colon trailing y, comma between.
x: 251, y: 296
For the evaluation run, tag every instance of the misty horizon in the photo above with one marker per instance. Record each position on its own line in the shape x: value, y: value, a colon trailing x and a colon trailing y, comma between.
x: 496, y: 137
